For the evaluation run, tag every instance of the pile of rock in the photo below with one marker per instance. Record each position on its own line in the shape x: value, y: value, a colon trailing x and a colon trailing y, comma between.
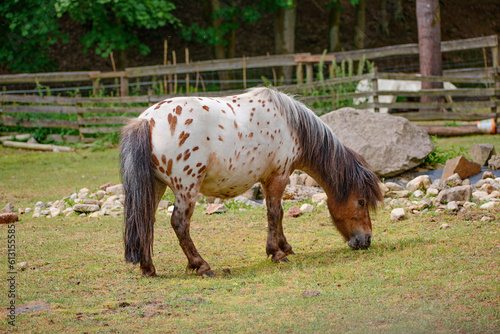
x: 418, y: 196
x: 451, y: 194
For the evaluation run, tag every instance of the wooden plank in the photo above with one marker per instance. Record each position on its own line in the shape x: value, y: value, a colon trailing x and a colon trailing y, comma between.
x: 40, y: 147
x: 107, y: 75
x: 104, y: 120
x: 444, y: 116
x: 413, y: 77
x: 428, y: 105
x: 36, y: 99
x: 102, y: 130
x: 314, y: 58
x: 118, y: 99
x: 213, y: 65
x: 483, y: 72
x: 110, y: 110
x: 35, y: 123
x: 40, y: 109
x: 474, y: 92
x: 46, y: 77
x: 412, y: 49
x: 449, y: 131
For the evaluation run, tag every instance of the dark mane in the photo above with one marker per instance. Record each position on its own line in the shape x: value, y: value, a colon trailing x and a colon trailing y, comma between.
x: 343, y: 169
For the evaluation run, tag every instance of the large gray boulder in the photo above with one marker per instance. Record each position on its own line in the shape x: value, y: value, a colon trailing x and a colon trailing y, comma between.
x: 390, y: 144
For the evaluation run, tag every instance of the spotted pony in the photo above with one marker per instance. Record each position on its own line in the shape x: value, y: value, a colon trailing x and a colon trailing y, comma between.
x: 221, y: 147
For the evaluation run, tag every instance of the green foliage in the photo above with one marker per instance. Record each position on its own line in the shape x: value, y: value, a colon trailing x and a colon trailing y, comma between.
x: 230, y: 17
x: 111, y: 22
x: 440, y: 155
x: 344, y: 69
x: 27, y: 29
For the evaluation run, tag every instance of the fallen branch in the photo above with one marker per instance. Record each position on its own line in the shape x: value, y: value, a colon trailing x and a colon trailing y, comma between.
x: 40, y: 147
x: 449, y: 131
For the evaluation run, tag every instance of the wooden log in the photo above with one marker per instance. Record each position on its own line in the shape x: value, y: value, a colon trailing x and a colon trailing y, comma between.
x: 39, y: 147
x: 450, y: 131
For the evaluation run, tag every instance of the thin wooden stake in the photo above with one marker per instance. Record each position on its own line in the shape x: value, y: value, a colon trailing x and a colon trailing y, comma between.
x: 165, y: 50
x: 244, y: 73
x: 187, y: 74
x: 174, y: 60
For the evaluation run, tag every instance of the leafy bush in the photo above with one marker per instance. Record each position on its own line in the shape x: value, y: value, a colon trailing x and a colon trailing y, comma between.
x: 442, y: 155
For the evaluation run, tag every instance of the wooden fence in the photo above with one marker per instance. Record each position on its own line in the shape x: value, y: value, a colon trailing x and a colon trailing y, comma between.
x: 90, y: 116
x: 170, y: 72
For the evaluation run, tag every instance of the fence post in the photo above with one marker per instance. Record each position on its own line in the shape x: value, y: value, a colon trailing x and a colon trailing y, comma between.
x: 309, y: 72
x: 495, y: 55
x: 496, y: 93
x: 300, y: 75
x: 79, y: 117
x: 375, y: 89
x: 123, y: 86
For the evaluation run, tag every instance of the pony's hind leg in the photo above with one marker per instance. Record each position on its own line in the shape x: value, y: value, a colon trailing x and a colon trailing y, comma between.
x: 183, y: 210
x: 147, y: 267
x: 277, y: 245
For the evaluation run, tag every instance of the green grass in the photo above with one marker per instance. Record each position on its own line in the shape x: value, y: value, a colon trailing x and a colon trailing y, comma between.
x: 415, y: 278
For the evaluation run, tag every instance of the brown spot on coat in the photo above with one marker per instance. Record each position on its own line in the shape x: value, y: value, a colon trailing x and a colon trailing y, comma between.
x: 188, y: 121
x: 220, y: 126
x: 178, y: 110
x: 196, y: 148
x: 164, y: 159
x: 185, y: 168
x: 183, y: 137
x: 240, y: 135
x: 235, y: 125
x: 220, y: 138
x: 158, y: 105
x: 162, y: 170
x: 172, y: 121
x: 179, y: 157
x: 155, y: 160
x: 231, y: 108
x: 169, y: 167
x: 206, y: 108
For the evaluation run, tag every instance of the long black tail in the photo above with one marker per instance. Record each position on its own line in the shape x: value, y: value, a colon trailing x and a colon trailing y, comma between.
x: 139, y: 185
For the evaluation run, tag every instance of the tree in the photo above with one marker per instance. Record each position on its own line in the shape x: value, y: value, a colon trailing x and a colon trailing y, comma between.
x: 27, y: 29
x: 222, y: 19
x: 429, y: 43
x: 360, y: 23
x: 334, y: 21
x: 111, y: 23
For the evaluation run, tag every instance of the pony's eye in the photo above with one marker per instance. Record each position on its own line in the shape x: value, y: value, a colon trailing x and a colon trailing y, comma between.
x: 361, y: 202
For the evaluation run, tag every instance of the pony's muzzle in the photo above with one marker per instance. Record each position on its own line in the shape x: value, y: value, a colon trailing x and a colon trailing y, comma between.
x: 360, y: 241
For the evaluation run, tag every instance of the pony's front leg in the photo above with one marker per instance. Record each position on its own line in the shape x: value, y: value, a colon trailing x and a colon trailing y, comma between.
x: 277, y: 245
x: 181, y: 216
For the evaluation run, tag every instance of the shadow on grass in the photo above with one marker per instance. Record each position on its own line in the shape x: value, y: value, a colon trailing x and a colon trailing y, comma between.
x: 315, y: 259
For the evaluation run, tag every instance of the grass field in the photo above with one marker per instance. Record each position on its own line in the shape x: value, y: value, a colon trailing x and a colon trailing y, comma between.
x: 416, y: 278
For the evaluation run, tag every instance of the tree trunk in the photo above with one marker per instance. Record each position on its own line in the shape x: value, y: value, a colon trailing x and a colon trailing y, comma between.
x: 384, y: 21
x: 359, y: 27
x: 334, y: 27
x: 284, y: 35
x: 429, y: 44
x: 219, y: 50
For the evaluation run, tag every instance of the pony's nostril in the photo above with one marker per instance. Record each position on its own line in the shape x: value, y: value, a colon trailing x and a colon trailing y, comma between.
x: 368, y: 240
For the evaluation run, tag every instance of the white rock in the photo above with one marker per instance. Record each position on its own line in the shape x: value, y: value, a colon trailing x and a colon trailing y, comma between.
x: 100, y: 194
x: 489, y: 205
x: 316, y: 198
x: 170, y: 208
x: 54, y: 212
x: 453, y: 181
x: 28, y: 210
x: 306, y: 208
x: 469, y: 205
x: 432, y: 192
x: 422, y: 182
x: 322, y: 203
x: 393, y: 186
x: 115, y: 190
x: 215, y: 208
x: 487, y: 219
x: 418, y: 193
x: 479, y: 196
x: 83, y: 193
x: 398, y: 214
x: 86, y: 207
x: 452, y: 206
x: 444, y: 227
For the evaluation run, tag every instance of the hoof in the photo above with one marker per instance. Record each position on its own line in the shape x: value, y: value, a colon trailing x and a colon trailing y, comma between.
x: 208, y: 273
x: 149, y: 271
x: 285, y: 260
x: 291, y: 252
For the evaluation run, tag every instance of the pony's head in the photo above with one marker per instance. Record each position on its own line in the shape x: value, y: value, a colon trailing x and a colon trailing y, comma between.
x: 357, y: 193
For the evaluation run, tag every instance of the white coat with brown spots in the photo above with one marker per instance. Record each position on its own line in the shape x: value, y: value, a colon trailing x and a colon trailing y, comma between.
x: 221, y: 147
